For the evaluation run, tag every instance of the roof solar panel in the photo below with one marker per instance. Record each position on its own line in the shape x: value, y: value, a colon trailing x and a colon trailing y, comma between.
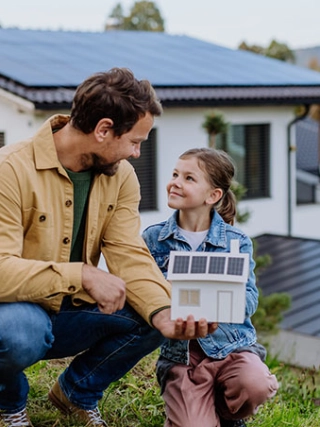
x: 198, y: 264
x: 235, y: 266
x: 216, y: 265
x: 64, y: 58
x: 181, y: 264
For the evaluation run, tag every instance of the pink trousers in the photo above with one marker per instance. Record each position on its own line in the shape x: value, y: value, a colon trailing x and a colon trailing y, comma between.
x: 207, y: 389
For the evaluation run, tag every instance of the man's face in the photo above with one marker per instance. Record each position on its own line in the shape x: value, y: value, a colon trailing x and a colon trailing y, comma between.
x: 107, y: 157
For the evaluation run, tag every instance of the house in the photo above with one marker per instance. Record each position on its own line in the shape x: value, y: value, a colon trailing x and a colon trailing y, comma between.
x: 210, y: 285
x: 40, y: 70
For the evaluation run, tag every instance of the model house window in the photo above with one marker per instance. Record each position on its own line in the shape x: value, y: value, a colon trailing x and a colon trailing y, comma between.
x: 189, y: 297
x: 249, y: 146
x: 145, y: 167
x: 1, y: 139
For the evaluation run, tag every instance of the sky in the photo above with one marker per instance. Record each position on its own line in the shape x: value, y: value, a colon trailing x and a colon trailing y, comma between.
x: 225, y: 22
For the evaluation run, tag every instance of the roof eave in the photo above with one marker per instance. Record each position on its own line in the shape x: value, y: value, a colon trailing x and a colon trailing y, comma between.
x: 240, y: 96
x: 53, y: 98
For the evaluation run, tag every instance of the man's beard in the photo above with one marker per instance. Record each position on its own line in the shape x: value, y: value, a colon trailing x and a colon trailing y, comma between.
x: 99, y: 167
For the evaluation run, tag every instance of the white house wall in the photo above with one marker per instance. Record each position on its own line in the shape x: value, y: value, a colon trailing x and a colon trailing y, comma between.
x: 179, y: 129
x: 18, y: 119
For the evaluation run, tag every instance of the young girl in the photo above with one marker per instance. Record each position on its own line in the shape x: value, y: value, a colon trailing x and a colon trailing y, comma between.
x: 218, y: 380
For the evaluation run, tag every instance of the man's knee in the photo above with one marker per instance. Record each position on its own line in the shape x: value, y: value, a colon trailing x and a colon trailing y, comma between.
x: 25, y: 335
x: 153, y: 338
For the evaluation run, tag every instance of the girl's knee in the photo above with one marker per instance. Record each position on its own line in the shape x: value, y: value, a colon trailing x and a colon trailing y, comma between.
x: 260, y: 387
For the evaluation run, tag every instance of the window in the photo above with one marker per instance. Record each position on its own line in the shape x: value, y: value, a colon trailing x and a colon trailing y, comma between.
x: 249, y: 146
x: 145, y: 167
x: 189, y: 297
x: 307, y: 162
x: 308, y: 188
x: 1, y: 139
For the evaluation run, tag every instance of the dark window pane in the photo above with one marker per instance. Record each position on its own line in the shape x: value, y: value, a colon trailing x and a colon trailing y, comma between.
x: 305, y: 193
x: 249, y: 146
x: 145, y: 167
x: 1, y: 139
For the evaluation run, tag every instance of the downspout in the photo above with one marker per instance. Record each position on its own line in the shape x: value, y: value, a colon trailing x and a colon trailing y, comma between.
x: 291, y: 149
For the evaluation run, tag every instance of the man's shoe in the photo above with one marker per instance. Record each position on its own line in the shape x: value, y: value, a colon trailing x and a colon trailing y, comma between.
x: 91, y: 417
x: 232, y: 423
x: 19, y: 419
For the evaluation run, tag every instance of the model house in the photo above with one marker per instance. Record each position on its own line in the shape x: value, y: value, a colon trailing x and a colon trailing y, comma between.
x: 210, y: 285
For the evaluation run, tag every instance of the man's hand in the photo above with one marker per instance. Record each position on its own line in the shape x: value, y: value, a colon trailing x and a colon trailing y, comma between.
x: 107, y: 290
x: 180, y: 329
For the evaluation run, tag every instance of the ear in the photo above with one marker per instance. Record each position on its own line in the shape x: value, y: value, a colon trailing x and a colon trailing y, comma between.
x: 103, y: 127
x: 214, y: 197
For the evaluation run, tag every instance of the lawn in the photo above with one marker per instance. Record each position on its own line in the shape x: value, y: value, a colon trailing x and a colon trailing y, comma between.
x: 135, y: 401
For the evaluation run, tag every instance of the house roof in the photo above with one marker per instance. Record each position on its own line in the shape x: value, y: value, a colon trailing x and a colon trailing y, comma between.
x: 295, y: 269
x: 46, y: 66
x: 209, y: 266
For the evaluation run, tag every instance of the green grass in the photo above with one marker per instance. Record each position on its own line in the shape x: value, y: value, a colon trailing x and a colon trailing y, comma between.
x: 135, y: 401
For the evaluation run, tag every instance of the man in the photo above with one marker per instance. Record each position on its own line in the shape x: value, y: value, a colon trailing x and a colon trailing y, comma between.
x: 66, y: 197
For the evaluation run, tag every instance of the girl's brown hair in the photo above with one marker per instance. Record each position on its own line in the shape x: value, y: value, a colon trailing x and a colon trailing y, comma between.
x: 220, y: 170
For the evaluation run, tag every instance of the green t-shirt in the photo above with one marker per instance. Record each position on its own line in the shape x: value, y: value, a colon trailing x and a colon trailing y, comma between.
x: 81, y: 187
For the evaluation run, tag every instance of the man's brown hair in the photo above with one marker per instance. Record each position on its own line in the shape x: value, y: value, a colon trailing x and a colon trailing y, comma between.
x: 115, y: 94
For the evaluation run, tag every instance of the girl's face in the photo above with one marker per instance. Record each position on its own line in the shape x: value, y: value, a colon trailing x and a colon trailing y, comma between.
x: 189, y: 187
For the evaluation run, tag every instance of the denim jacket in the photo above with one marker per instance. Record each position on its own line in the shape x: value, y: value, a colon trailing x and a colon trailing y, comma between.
x: 165, y: 237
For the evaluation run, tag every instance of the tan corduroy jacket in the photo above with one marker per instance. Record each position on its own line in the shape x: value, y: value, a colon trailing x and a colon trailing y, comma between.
x: 36, y: 221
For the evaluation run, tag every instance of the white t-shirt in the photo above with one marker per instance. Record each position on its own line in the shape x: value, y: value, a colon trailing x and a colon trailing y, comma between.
x: 194, y: 238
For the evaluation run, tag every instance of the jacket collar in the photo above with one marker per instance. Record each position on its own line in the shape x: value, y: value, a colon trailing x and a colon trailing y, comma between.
x: 44, y: 148
x: 216, y: 235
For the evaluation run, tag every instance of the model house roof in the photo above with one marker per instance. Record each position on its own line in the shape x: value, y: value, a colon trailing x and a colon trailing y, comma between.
x: 295, y: 269
x: 46, y: 66
x: 230, y: 266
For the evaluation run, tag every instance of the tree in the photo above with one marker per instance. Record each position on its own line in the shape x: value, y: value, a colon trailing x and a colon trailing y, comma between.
x: 314, y: 64
x: 275, y: 50
x: 143, y: 16
x: 279, y: 51
x: 115, y: 19
x: 253, y: 48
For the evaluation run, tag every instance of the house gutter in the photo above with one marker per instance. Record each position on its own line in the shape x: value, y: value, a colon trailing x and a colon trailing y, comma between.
x: 291, y: 149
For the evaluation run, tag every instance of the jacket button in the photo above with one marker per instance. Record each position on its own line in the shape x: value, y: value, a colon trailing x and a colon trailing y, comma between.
x: 71, y: 288
x: 66, y: 240
x: 110, y: 207
x: 68, y: 203
x: 42, y: 218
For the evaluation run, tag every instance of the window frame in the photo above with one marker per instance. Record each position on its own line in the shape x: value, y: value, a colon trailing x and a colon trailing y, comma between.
x: 253, y: 149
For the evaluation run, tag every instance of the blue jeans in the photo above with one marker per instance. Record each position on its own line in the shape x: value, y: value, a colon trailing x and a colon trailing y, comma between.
x: 109, y: 346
